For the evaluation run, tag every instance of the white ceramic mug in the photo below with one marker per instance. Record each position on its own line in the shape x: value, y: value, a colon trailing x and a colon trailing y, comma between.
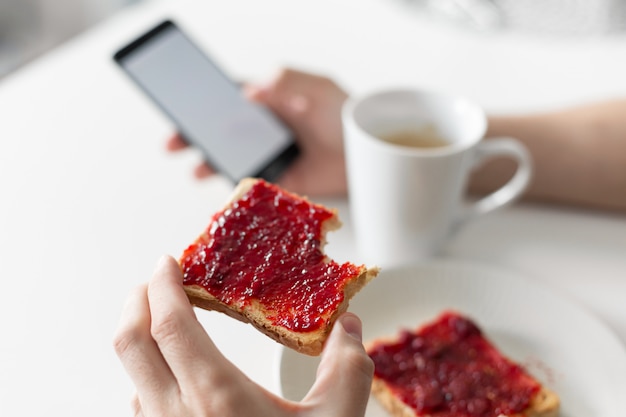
x: 407, y: 201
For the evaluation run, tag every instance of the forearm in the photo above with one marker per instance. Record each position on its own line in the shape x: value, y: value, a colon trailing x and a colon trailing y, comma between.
x: 579, y: 155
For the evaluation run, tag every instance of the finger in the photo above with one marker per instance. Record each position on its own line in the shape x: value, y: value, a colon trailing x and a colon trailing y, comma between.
x: 290, y: 107
x: 135, y: 406
x: 203, y: 171
x: 289, y: 92
x: 187, y: 348
x: 344, y: 376
x: 280, y: 95
x: 256, y: 93
x: 176, y: 143
x: 139, y: 352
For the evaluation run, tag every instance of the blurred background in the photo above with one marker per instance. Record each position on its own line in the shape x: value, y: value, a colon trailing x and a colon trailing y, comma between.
x: 534, y: 17
x: 30, y: 27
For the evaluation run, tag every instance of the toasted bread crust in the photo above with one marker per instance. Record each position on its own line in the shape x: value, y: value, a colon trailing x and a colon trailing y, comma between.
x: 545, y: 404
x: 310, y: 343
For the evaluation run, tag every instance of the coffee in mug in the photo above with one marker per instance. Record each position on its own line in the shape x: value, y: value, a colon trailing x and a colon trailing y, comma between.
x: 409, y: 154
x: 423, y: 137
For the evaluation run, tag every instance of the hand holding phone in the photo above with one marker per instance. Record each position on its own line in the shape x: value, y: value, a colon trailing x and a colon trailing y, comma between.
x: 237, y: 137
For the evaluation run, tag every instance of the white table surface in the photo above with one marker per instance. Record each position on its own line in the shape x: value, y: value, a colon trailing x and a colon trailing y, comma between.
x: 90, y: 199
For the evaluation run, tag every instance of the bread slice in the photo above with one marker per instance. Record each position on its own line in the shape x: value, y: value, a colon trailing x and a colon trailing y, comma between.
x: 433, y: 371
x: 261, y: 261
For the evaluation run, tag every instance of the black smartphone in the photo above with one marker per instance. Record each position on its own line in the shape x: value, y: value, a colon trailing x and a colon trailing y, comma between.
x: 238, y: 138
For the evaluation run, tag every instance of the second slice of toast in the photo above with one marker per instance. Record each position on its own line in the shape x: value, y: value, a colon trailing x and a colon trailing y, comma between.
x: 447, y: 368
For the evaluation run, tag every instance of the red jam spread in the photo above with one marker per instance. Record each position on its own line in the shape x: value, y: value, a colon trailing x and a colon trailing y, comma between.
x: 266, y: 246
x: 448, y: 369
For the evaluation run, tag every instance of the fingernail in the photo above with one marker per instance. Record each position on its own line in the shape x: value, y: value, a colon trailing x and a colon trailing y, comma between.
x: 163, y: 261
x: 352, y: 325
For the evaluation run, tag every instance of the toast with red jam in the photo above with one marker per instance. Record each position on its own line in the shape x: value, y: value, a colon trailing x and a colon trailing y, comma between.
x: 261, y: 261
x: 447, y: 368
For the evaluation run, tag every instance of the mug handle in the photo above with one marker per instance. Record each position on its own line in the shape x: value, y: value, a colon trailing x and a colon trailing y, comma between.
x: 510, y: 191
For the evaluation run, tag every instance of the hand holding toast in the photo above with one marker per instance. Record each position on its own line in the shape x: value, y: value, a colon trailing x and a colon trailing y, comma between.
x: 177, y: 369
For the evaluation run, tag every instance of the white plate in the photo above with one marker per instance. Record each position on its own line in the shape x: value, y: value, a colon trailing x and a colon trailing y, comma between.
x: 561, y: 344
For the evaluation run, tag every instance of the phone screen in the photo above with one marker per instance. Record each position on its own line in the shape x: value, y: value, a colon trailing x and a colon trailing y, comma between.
x: 238, y: 138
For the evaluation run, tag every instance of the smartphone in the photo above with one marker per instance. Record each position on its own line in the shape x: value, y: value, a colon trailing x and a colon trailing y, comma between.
x: 237, y: 137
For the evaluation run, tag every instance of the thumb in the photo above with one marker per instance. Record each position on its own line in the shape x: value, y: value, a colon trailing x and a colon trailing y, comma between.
x: 256, y: 93
x: 285, y: 103
x: 344, y: 376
